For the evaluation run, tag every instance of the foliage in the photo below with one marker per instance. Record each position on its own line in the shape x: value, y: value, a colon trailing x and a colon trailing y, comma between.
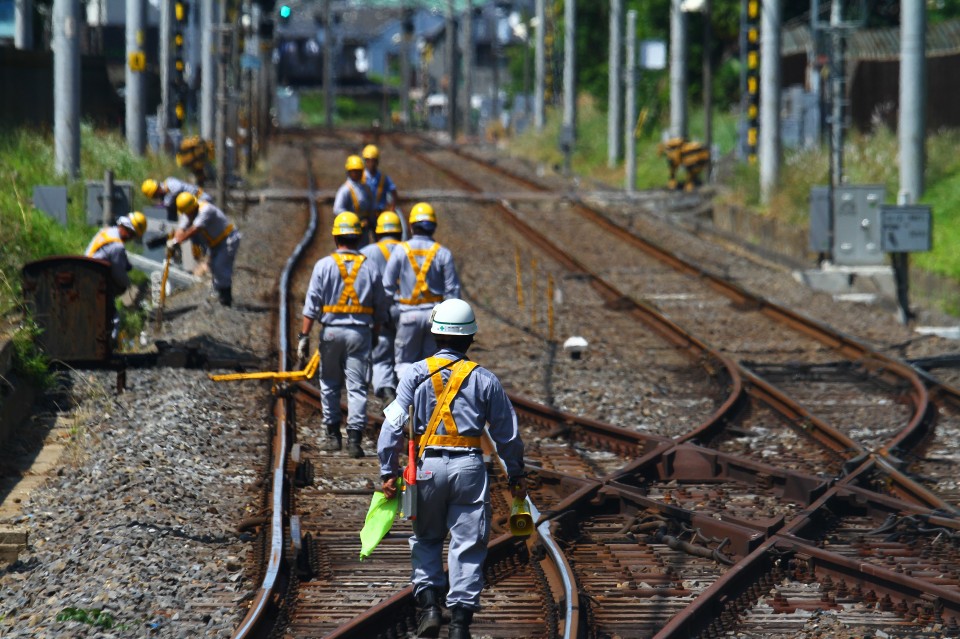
x: 347, y: 111
x: 92, y: 616
x: 28, y: 361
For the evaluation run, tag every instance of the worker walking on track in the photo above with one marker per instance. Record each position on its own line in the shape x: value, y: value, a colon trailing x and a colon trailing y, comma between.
x: 346, y: 297
x: 210, y: 227
x: 388, y: 233
x: 419, y: 275
x: 165, y: 193
x: 355, y: 196
x: 381, y: 186
x: 108, y: 245
x: 452, y: 399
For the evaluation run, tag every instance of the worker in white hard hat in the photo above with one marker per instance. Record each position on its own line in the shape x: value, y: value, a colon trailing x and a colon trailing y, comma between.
x: 387, y: 233
x: 355, y: 196
x: 381, y: 186
x: 419, y: 275
x: 453, y: 399
x: 346, y: 297
x: 108, y: 245
x: 211, y: 228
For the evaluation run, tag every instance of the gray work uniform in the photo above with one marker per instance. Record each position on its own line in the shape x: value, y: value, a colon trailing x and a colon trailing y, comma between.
x: 220, y: 237
x: 174, y: 187
x: 381, y: 187
x: 346, y: 333
x: 356, y: 198
x: 453, y: 492
x: 382, y: 357
x: 414, y: 340
x: 107, y: 245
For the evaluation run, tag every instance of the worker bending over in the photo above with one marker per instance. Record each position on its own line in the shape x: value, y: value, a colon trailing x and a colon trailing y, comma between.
x: 388, y: 234
x: 108, y: 245
x: 210, y: 227
x: 346, y: 297
x: 453, y: 399
x: 419, y: 275
x: 165, y: 193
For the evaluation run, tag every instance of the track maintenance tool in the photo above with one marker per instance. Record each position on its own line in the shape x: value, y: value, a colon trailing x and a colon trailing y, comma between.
x: 163, y: 287
x: 521, y: 521
x: 408, y: 492
x: 285, y: 376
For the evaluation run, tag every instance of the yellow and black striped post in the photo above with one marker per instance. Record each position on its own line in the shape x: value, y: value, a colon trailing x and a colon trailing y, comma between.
x: 753, y: 78
x: 180, y: 10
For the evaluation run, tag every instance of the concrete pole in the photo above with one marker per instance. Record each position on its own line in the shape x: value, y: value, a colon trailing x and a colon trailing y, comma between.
x: 497, y: 54
x: 678, y: 71
x: 708, y: 89
x: 770, y: 47
x: 838, y: 96
x: 405, y: 67
x: 166, y: 71
x: 133, y: 95
x: 208, y: 66
x: 451, y: 38
x: 223, y: 58
x: 614, y: 114
x: 23, y: 24
x: 630, y: 110
x: 570, y: 70
x: 469, y: 49
x: 911, y: 129
x: 329, y: 95
x: 539, y: 63
x: 66, y: 87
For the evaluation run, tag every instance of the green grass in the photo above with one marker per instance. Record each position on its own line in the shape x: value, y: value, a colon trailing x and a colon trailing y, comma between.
x: 348, y: 111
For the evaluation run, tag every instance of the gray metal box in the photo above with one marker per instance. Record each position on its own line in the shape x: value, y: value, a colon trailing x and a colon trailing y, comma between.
x: 856, y: 224
x: 820, y: 219
x: 122, y: 200
x: 52, y: 200
x: 906, y: 229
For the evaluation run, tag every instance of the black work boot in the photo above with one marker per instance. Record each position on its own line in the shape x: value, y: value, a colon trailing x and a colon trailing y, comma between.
x: 460, y: 619
x: 333, y: 440
x: 428, y: 613
x: 226, y: 296
x: 354, y: 438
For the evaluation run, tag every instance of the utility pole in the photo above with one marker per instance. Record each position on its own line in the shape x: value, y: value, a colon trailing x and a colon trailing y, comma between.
x: 838, y: 98
x: 23, y: 24
x: 708, y: 88
x: 223, y: 49
x: 630, y: 112
x: 208, y: 71
x: 496, y: 62
x: 678, y: 70
x: 329, y: 96
x: 770, y: 94
x: 539, y: 64
x: 406, y: 34
x: 66, y: 87
x: 569, y: 133
x: 614, y: 114
x: 133, y: 94
x: 469, y: 48
x: 451, y: 65
x: 166, y: 75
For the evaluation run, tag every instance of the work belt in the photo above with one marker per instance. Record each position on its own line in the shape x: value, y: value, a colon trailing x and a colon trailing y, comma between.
x: 349, y: 301
x: 441, y: 412
x: 458, y: 452
x: 213, y: 242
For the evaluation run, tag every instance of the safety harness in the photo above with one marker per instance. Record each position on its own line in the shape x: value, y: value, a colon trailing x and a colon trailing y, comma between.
x: 213, y: 242
x: 384, y: 246
x: 376, y: 199
x: 421, y: 294
x: 101, y: 239
x: 349, y: 301
x: 441, y: 412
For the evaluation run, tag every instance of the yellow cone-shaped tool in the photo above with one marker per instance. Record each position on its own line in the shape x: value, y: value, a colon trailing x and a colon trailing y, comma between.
x: 521, y: 521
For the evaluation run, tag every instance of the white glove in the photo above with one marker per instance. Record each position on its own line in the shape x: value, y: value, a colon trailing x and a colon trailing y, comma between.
x: 172, y: 244
x: 303, y: 347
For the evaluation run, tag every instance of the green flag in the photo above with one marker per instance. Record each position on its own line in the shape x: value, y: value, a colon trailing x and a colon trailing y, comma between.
x: 380, y: 518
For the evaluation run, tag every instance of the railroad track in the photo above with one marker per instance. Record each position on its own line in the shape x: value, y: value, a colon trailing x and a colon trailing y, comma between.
x: 761, y: 508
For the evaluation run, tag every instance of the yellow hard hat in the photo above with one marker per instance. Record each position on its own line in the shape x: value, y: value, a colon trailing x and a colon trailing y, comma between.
x: 186, y: 203
x: 422, y: 212
x: 371, y: 152
x: 347, y: 223
x: 388, y: 222
x: 136, y: 222
x: 354, y: 163
x: 150, y: 188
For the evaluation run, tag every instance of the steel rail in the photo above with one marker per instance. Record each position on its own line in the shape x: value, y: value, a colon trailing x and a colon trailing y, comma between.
x: 262, y: 608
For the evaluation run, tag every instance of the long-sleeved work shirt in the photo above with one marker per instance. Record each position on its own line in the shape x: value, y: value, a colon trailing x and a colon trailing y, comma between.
x: 400, y: 278
x: 107, y: 245
x: 327, y: 286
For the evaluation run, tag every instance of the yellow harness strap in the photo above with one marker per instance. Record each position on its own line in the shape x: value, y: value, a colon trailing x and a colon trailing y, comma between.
x: 441, y: 412
x: 349, y: 301
x: 376, y: 199
x: 421, y: 294
x: 212, y: 242
x: 384, y: 246
x: 354, y: 198
x: 101, y: 239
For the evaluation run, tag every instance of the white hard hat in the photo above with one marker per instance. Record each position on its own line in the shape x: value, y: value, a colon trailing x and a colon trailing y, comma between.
x: 453, y: 317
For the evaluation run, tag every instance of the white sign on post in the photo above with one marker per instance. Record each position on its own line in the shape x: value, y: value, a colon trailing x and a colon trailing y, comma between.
x: 653, y: 54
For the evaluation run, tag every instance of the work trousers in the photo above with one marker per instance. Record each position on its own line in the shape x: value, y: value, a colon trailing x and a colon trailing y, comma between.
x: 383, y: 362
x: 414, y: 340
x: 344, y: 356
x: 453, y: 494
x: 221, y: 261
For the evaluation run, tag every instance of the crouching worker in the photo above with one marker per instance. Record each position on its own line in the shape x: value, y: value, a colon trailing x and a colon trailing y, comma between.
x: 108, y: 245
x: 210, y: 227
x: 453, y: 490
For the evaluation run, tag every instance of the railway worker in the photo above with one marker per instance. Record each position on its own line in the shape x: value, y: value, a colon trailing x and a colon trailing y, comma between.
x: 453, y: 491
x: 388, y: 233
x: 419, y: 274
x: 211, y: 228
x: 346, y: 297
x: 355, y: 196
x: 165, y: 193
x: 108, y: 245
x: 381, y: 186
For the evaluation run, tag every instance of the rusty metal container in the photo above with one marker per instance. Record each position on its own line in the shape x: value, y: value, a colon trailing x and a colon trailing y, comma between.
x: 70, y: 298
